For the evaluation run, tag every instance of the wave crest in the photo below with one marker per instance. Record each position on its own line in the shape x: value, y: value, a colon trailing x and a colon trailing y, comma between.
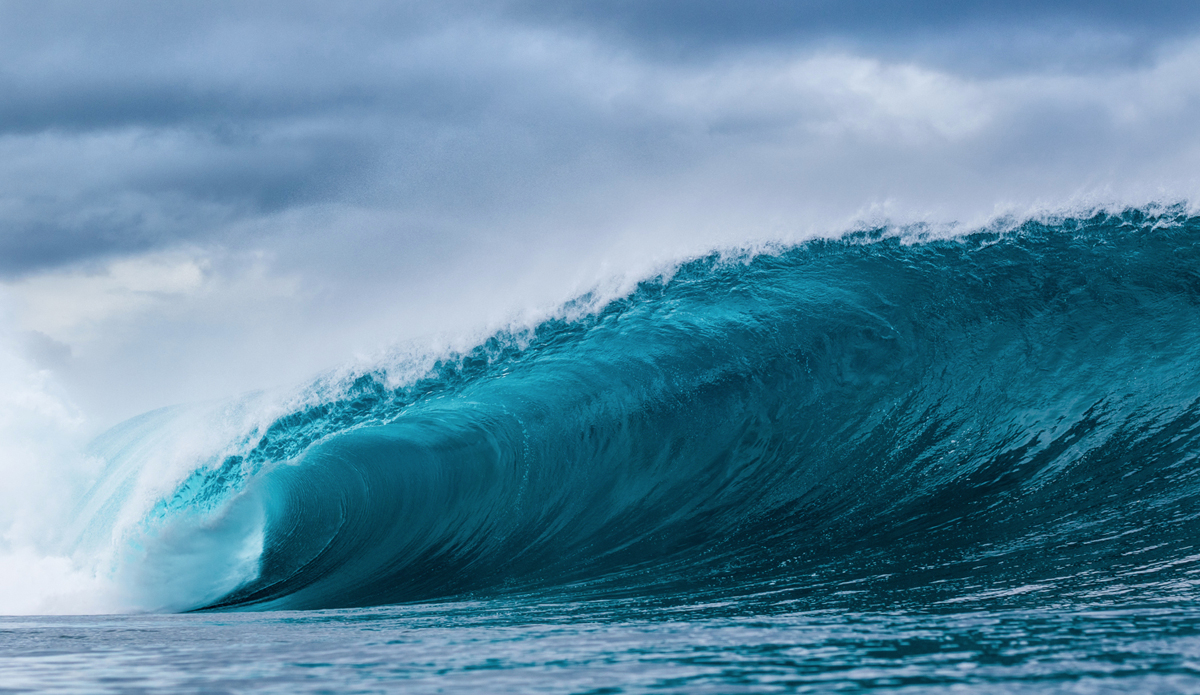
x: 1006, y: 406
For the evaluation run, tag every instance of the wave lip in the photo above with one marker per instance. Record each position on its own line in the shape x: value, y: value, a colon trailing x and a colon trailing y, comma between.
x: 1002, y: 409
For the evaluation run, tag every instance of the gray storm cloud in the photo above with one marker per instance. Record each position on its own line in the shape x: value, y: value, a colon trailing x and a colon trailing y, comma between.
x: 189, y: 191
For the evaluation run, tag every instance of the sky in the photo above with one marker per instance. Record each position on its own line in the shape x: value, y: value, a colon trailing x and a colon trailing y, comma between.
x: 203, y: 199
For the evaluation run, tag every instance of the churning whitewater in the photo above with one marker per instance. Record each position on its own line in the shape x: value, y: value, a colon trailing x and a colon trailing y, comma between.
x: 1013, y: 412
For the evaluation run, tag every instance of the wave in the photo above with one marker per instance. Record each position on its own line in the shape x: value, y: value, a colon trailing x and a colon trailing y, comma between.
x: 1000, y: 408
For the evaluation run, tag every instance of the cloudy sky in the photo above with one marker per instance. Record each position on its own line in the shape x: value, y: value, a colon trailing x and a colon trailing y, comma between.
x: 198, y: 199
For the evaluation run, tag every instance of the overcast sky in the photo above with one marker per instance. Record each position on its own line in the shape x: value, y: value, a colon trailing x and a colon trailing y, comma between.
x: 202, y: 198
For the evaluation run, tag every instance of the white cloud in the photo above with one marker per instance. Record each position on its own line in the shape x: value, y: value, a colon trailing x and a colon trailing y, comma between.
x: 69, y: 304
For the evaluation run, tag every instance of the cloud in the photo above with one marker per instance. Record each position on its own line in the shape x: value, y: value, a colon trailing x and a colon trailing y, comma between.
x: 341, y: 177
x: 976, y: 36
x: 134, y: 126
x: 64, y: 304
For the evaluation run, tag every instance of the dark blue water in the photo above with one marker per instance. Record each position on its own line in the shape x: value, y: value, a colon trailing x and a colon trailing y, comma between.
x: 885, y: 461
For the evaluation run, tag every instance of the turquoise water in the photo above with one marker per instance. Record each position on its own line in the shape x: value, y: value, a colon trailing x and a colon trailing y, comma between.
x: 887, y: 461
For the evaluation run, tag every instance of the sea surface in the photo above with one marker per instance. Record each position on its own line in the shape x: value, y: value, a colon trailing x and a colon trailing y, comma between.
x: 613, y: 646
x: 901, y: 460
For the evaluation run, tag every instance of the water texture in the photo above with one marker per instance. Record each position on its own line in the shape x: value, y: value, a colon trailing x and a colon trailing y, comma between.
x: 889, y: 460
x: 608, y: 647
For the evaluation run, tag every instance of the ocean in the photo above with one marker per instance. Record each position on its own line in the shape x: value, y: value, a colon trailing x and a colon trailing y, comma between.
x: 614, y: 646
x: 900, y: 460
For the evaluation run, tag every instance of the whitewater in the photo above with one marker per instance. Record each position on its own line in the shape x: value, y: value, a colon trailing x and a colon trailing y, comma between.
x: 901, y: 458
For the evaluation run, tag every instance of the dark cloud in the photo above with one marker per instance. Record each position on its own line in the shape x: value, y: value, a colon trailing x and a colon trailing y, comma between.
x: 141, y: 124
x: 715, y: 21
x: 134, y: 125
x: 200, y: 198
x: 980, y: 34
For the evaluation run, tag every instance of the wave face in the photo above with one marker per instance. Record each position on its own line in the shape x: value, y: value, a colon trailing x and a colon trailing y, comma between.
x: 1000, y: 413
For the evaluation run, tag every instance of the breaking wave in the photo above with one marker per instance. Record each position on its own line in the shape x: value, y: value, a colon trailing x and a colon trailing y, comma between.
x: 1002, y: 411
